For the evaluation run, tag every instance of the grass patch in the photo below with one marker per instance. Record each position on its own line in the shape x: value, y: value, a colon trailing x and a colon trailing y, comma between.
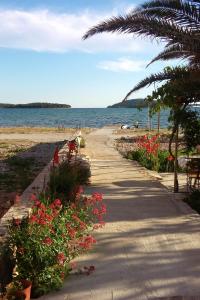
x: 20, y: 175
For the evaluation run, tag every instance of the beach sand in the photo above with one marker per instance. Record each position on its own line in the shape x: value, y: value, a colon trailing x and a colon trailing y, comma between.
x: 24, y: 152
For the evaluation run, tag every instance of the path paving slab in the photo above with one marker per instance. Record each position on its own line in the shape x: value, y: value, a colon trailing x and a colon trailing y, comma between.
x: 150, y: 246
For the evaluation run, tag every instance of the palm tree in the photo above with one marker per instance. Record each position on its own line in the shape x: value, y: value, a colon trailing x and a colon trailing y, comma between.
x: 176, y: 22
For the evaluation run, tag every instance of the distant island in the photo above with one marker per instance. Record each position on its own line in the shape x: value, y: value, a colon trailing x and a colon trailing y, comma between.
x: 35, y: 105
x: 133, y: 103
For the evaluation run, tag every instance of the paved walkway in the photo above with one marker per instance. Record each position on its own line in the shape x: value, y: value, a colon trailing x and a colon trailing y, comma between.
x: 150, y: 247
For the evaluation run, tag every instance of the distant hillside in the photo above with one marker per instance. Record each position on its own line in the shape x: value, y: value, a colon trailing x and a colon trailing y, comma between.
x: 35, y: 105
x: 133, y: 103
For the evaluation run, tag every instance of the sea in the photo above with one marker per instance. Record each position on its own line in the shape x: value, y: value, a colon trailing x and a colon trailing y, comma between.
x: 79, y: 117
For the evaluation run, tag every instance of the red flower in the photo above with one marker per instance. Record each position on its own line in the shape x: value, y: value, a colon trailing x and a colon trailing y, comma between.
x: 170, y: 158
x: 56, y: 157
x: 82, y: 225
x: 47, y: 241
x: 17, y: 222
x: 33, y: 197
x: 97, y: 196
x: 37, y: 203
x: 72, y: 146
x: 33, y: 219
x: 42, y: 222
x: 103, y: 209
x: 61, y: 258
x: 95, y: 211
x: 87, y: 242
x: 72, y: 233
x: 76, y: 218
x: 57, y: 202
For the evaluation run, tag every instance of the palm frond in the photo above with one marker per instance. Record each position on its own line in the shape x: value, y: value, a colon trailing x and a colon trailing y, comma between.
x: 168, y: 74
x: 174, y: 52
x: 147, y: 26
x: 184, y: 13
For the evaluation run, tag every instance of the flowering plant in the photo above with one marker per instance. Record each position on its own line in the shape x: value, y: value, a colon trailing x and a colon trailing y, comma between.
x: 66, y: 179
x: 150, y: 147
x: 44, y: 244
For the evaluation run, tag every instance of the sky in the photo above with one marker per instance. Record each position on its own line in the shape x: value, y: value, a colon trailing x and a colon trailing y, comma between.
x: 44, y: 59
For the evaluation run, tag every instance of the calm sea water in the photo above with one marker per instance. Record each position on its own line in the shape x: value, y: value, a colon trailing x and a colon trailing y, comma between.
x: 77, y: 117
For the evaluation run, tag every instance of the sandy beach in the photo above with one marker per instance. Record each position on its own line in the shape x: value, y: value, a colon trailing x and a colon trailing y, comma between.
x: 24, y: 152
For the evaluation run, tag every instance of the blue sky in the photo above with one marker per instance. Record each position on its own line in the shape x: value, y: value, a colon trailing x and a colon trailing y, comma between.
x: 43, y: 58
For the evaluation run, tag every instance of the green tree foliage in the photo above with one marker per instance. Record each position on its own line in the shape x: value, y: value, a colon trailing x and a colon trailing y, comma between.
x: 176, y: 22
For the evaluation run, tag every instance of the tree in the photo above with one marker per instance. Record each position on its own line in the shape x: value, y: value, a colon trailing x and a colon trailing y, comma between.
x: 177, y: 95
x: 176, y: 22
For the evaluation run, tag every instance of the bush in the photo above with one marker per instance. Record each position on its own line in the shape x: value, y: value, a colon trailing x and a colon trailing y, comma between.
x: 65, y: 179
x: 193, y: 200
x: 44, y: 244
x: 159, y: 163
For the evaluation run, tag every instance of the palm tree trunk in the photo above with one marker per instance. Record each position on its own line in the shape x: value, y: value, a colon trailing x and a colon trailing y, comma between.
x: 176, y: 185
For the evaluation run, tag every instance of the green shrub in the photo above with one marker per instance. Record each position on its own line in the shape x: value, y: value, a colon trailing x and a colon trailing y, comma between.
x: 160, y: 164
x: 43, y: 244
x: 65, y: 179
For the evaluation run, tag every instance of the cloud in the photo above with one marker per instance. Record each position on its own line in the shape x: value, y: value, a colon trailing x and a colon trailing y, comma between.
x: 43, y: 30
x: 123, y: 64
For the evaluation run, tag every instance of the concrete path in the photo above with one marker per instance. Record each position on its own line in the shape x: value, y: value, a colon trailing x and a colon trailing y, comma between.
x: 150, y: 247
